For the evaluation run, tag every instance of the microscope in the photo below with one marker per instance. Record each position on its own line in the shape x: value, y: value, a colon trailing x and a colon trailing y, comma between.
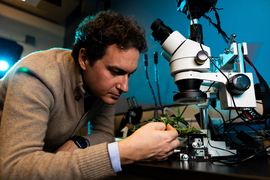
x: 193, y: 69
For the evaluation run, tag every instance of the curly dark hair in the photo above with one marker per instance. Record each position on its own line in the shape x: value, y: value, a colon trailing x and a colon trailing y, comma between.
x: 96, y: 33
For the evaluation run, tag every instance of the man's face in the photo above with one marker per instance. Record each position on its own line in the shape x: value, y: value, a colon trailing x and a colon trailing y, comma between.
x: 109, y: 76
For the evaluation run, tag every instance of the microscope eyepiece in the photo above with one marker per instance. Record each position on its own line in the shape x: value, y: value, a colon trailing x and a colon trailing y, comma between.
x: 160, y: 31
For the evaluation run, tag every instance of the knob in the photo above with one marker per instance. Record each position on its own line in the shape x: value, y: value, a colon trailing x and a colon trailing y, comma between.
x: 238, y: 84
x: 195, y: 144
x: 201, y: 57
x: 184, y: 157
x: 260, y: 91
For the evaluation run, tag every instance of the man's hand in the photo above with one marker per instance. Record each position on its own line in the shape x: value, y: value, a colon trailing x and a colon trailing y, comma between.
x: 68, y: 146
x: 150, y: 142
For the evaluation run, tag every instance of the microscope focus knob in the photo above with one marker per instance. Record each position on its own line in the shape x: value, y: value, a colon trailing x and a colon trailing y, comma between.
x: 260, y: 91
x: 201, y: 57
x: 238, y: 84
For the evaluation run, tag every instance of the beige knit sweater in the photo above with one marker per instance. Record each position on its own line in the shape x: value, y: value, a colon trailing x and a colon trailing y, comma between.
x: 41, y: 106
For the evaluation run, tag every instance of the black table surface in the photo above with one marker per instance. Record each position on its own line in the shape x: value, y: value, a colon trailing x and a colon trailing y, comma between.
x: 175, y: 169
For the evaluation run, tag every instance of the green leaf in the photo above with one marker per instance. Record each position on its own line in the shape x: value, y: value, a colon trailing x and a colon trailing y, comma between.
x: 174, y: 122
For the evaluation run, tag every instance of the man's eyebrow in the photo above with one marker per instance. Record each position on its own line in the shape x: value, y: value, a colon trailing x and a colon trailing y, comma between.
x: 120, y: 71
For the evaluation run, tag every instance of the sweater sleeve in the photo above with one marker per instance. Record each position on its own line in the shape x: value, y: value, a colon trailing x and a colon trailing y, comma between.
x: 103, y: 124
x: 23, y: 128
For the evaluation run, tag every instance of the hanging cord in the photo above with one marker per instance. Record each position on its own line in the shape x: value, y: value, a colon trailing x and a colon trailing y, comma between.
x: 239, y: 115
x: 210, y: 58
x: 157, y: 77
x: 265, y: 100
x: 156, y: 114
x: 259, y: 77
x: 225, y: 37
x: 220, y: 31
x: 243, y: 160
x: 145, y: 59
x: 213, y: 104
x: 208, y: 142
x: 183, y: 111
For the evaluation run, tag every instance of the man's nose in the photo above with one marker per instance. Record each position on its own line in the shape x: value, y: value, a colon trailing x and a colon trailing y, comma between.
x: 123, y: 85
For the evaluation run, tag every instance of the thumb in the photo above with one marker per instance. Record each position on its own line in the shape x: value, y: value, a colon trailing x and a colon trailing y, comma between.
x: 169, y: 127
x: 173, y: 131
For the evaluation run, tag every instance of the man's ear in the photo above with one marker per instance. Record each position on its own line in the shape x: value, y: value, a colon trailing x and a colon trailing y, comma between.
x: 83, y: 59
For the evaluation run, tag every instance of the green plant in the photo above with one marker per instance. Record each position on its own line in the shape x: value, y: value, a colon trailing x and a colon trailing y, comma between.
x: 178, y: 123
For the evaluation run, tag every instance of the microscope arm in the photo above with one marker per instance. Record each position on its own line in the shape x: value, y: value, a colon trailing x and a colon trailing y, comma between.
x: 245, y: 100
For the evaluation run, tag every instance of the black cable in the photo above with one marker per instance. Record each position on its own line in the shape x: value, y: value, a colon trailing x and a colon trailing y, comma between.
x: 252, y: 120
x: 210, y: 58
x: 263, y: 130
x: 200, y: 42
x: 220, y: 31
x: 243, y: 160
x: 211, y: 86
x: 202, y: 47
x: 265, y: 99
x: 245, y: 123
x: 157, y: 77
x: 229, y: 120
x: 223, y: 75
x: 145, y: 59
x: 183, y: 111
x: 232, y: 126
x: 220, y: 148
x: 226, y: 38
x: 225, y: 126
x: 258, y: 132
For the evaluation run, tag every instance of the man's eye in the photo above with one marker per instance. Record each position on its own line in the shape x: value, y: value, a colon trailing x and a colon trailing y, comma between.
x: 114, y: 72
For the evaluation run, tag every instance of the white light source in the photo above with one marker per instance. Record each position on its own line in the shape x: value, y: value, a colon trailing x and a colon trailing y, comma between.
x: 3, y: 65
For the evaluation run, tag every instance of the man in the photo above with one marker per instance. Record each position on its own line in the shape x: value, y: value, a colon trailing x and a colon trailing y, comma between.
x: 50, y: 95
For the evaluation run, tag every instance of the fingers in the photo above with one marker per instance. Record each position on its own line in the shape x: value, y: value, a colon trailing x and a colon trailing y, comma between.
x: 175, y: 143
x: 160, y: 157
x: 154, y: 141
x: 156, y: 126
x: 159, y: 126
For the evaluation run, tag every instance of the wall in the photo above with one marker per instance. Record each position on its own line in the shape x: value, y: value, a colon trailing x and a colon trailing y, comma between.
x: 15, y: 25
x: 248, y: 19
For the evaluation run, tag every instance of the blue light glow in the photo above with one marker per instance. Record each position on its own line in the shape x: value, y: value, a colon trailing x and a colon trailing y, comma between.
x: 4, y: 65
